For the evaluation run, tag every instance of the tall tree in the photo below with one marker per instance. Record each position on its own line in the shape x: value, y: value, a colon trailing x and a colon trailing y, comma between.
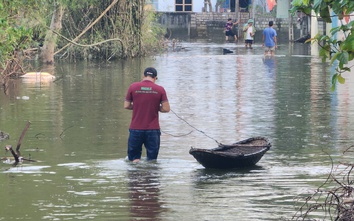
x: 206, y: 4
x: 50, y: 41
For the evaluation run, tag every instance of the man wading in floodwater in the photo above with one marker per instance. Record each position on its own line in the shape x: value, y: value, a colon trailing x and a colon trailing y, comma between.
x: 269, y: 39
x: 228, y: 29
x: 249, y: 32
x: 146, y: 99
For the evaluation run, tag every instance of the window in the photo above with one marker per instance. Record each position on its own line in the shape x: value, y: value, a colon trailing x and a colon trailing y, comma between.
x: 183, y: 5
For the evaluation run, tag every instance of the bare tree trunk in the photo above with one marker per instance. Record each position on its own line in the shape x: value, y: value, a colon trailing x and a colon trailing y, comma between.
x: 206, y: 4
x: 217, y: 5
x: 210, y: 6
x: 49, y: 45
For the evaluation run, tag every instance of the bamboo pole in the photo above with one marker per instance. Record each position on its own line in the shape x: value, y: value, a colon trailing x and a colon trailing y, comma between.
x: 22, y: 136
x: 88, y: 27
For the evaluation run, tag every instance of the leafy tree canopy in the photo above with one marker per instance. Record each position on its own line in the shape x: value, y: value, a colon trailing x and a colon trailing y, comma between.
x: 15, y: 31
x: 124, y: 30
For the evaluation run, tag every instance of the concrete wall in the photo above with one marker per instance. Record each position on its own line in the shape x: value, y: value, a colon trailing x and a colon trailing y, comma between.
x: 210, y: 25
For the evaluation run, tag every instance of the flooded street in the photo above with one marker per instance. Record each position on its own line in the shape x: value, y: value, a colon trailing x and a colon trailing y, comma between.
x: 79, y: 133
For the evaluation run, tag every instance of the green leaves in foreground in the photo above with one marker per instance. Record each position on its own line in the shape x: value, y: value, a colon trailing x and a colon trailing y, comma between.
x: 335, y: 78
x: 338, y: 51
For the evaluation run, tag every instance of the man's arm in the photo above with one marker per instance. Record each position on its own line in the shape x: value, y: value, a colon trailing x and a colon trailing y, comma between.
x: 165, y: 107
x: 128, y: 105
x: 245, y: 28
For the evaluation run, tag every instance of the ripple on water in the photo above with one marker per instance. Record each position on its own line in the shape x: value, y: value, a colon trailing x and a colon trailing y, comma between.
x: 29, y: 169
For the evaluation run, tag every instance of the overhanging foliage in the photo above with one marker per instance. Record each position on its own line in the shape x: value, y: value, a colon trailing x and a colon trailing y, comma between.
x: 337, y: 50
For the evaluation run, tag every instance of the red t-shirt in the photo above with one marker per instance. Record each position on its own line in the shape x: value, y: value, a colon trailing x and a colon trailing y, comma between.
x: 146, y: 97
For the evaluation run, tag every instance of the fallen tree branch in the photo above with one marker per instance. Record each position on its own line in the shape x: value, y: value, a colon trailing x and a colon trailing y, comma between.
x: 91, y: 45
x: 9, y: 148
x: 21, y: 137
x: 88, y: 27
x: 16, y: 156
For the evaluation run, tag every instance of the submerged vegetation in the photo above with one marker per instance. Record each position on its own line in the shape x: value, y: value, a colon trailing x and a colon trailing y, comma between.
x: 333, y: 200
x: 74, y: 30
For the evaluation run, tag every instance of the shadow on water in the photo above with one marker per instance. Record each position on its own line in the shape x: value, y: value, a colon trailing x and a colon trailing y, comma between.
x: 208, y: 175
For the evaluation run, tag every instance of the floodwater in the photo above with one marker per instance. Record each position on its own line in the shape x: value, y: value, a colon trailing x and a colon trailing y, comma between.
x: 79, y: 131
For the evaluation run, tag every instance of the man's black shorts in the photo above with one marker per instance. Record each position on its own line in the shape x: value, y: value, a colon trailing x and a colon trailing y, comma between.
x: 229, y: 33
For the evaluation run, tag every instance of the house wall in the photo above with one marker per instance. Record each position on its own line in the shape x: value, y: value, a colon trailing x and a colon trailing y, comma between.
x: 169, y: 5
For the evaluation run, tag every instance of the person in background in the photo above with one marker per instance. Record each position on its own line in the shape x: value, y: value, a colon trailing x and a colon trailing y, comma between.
x: 249, y: 31
x: 228, y: 29
x: 269, y: 39
x: 146, y: 99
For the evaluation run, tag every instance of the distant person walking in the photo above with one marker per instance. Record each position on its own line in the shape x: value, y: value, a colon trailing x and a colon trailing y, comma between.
x: 228, y: 29
x: 249, y: 31
x: 269, y: 40
x: 146, y: 99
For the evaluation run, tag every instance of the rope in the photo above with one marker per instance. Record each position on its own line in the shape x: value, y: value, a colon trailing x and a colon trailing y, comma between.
x: 181, y: 135
x: 195, y: 127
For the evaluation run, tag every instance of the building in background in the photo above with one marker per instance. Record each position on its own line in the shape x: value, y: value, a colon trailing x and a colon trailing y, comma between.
x: 179, y: 5
x: 262, y: 6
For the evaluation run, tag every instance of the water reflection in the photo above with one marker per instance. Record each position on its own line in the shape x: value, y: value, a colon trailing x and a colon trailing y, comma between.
x: 144, y: 192
x: 270, y: 64
x: 80, y: 128
x: 343, y: 102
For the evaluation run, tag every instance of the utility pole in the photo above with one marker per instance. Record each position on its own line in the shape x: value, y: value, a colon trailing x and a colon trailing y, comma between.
x: 238, y: 16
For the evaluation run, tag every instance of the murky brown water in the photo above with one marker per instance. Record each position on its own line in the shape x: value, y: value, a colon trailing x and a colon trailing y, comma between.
x: 79, y: 133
